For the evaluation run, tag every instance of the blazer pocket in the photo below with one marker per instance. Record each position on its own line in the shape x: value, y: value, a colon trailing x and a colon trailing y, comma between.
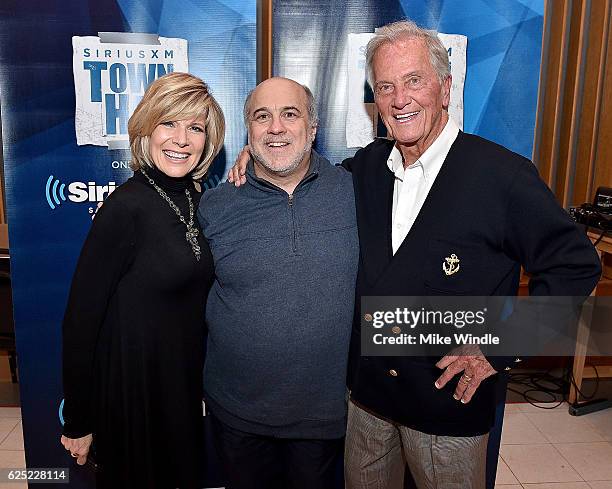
x: 452, y: 268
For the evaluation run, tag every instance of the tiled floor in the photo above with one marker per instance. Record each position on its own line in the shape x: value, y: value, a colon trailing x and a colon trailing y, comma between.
x: 11, y: 443
x: 541, y: 449
x: 549, y: 449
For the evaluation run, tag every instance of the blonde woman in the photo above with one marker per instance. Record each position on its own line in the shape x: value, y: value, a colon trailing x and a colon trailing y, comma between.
x: 133, y: 329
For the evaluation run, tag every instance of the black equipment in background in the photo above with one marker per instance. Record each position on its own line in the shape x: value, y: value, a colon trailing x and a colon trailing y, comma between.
x: 598, y: 214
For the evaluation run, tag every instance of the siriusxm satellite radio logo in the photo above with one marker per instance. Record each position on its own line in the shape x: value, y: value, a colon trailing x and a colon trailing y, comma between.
x: 58, y: 192
x: 111, y: 73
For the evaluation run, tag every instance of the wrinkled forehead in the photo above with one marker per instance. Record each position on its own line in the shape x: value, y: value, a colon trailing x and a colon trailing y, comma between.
x: 404, y: 53
x: 276, y: 94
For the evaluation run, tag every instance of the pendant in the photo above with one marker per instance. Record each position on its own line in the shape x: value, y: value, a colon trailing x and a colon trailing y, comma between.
x: 192, y: 234
x: 192, y: 238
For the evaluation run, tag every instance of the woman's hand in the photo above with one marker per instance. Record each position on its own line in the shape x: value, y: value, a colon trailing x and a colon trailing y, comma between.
x: 236, y: 172
x: 78, y: 447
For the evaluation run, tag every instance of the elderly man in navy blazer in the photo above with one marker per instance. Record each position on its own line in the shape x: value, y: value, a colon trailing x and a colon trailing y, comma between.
x: 440, y: 212
x: 428, y: 194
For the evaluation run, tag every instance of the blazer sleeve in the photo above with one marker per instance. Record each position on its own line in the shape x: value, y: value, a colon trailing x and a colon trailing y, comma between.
x: 107, y: 252
x: 540, y: 235
x: 347, y: 164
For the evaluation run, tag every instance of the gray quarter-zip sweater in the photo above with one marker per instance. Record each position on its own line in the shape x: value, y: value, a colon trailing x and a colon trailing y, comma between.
x: 280, y: 311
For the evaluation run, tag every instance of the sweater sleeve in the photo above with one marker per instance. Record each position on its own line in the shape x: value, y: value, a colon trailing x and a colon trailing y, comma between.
x: 106, y: 254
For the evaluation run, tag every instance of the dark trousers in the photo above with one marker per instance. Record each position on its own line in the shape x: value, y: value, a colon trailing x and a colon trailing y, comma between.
x: 263, y: 462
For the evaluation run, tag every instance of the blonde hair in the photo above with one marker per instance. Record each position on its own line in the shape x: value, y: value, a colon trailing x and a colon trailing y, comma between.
x: 176, y: 96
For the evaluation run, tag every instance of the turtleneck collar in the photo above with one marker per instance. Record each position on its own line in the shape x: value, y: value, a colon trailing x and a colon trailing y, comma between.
x: 169, y: 184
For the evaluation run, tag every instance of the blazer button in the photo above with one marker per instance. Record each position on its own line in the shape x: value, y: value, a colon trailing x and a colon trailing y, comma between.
x: 393, y: 373
x: 396, y: 329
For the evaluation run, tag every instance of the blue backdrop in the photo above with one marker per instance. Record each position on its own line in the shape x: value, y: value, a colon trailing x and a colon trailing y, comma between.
x: 40, y: 151
x: 503, y: 59
x: 42, y: 160
x: 501, y: 87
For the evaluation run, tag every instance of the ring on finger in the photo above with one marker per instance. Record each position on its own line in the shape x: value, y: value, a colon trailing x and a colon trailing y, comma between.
x: 466, y: 379
x: 75, y: 455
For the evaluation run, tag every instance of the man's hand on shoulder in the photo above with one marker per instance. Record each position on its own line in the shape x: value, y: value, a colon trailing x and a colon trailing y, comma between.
x: 236, y: 174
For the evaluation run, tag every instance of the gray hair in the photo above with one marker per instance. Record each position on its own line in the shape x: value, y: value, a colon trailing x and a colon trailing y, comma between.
x: 313, y: 116
x: 407, y: 29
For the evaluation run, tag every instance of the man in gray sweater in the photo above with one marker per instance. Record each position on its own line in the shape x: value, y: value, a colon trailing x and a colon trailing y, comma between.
x: 279, y: 314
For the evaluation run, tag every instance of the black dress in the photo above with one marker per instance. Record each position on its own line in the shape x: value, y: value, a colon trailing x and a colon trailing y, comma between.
x: 133, y: 339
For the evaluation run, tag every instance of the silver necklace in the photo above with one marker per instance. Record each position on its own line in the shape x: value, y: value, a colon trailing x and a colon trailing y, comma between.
x: 192, y: 231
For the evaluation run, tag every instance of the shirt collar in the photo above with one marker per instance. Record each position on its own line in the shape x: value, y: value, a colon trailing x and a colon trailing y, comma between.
x: 432, y: 158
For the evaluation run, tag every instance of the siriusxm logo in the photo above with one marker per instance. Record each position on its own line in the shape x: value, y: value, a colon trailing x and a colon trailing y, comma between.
x: 56, y: 191
x: 60, y: 412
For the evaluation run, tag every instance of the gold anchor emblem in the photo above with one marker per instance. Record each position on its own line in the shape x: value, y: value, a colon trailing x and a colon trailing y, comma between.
x: 451, y: 265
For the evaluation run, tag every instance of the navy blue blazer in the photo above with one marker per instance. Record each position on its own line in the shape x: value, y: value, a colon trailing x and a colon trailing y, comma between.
x: 489, y: 207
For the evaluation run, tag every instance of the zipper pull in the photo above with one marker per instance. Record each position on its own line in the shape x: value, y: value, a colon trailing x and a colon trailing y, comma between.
x: 290, y: 200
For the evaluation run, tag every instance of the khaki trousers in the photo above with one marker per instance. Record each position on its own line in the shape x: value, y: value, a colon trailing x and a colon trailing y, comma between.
x: 377, y: 452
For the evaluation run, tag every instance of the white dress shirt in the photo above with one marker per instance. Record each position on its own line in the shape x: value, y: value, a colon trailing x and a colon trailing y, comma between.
x: 412, y: 184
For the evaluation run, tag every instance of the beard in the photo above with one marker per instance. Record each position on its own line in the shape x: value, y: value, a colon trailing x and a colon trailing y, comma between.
x: 285, y: 169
